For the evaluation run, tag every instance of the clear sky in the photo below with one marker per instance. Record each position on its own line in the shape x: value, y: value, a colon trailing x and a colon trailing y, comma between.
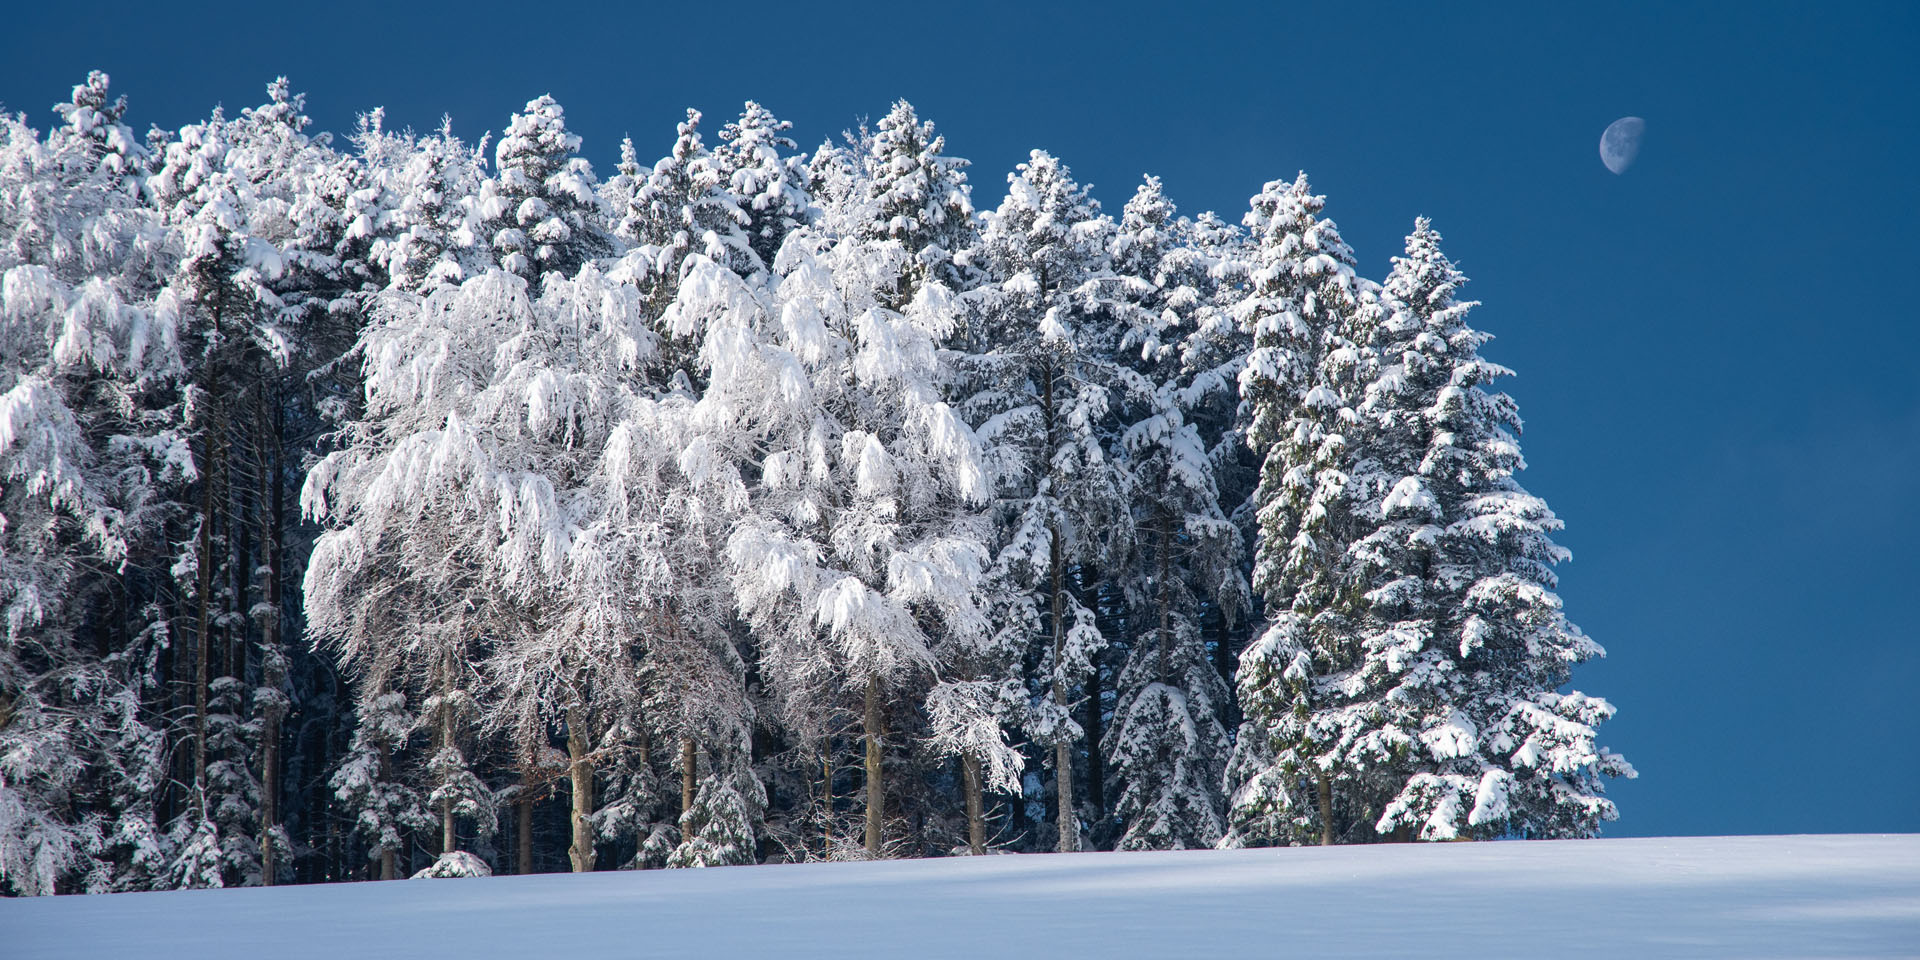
x: 1716, y: 351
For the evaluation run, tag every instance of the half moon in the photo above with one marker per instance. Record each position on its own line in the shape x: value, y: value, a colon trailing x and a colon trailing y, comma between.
x: 1621, y: 143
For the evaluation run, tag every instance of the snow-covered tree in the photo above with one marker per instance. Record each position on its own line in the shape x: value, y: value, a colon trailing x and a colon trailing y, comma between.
x: 1043, y: 380
x: 541, y: 204
x: 1167, y: 742
x: 1301, y: 382
x: 386, y: 807
x: 1462, y: 628
x: 856, y: 556
x: 768, y: 184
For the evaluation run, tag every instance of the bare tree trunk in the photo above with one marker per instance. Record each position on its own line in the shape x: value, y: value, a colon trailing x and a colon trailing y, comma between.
x: 1096, y: 763
x: 386, y: 774
x: 523, y: 837
x: 876, y: 793
x: 580, y: 768
x: 1326, y: 810
x: 689, y: 775
x: 826, y: 794
x: 1164, y: 595
x: 273, y: 659
x: 202, y: 616
x: 448, y: 836
x: 976, y: 807
x: 1067, y: 822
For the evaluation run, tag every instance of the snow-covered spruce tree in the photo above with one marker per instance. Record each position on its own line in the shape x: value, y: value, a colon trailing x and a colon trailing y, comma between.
x: 857, y: 554
x: 541, y: 206
x: 435, y: 182
x: 769, y: 184
x: 1043, y: 381
x: 228, y: 329
x: 1292, y: 778
x: 681, y: 207
x: 1462, y: 628
x: 386, y: 807
x: 1167, y: 743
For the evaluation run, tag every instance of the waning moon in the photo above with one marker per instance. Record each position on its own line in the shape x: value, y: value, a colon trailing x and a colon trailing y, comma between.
x: 1621, y: 143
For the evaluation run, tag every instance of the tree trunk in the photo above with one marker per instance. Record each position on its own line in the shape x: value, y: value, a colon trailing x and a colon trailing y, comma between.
x: 689, y: 776
x: 1326, y: 810
x: 1096, y: 762
x: 976, y: 807
x: 202, y: 616
x: 386, y: 775
x: 1164, y: 595
x: 876, y: 794
x: 523, y: 837
x: 1067, y: 822
x: 580, y: 767
x: 273, y: 660
x: 826, y: 794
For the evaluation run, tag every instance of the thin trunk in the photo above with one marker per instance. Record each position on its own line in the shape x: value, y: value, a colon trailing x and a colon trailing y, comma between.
x: 1165, y: 595
x: 523, y: 837
x: 976, y: 808
x: 1067, y: 822
x: 448, y: 837
x: 826, y: 794
x: 386, y: 774
x: 1326, y: 810
x: 689, y: 774
x: 242, y: 572
x: 273, y: 660
x: 580, y: 767
x: 202, y: 616
x: 876, y: 794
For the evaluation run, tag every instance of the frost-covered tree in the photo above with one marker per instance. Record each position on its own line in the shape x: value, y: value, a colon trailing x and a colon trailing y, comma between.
x: 1301, y: 383
x: 386, y: 807
x: 1167, y: 742
x: 435, y: 183
x: 768, y: 184
x: 541, y: 205
x: 1462, y: 629
x: 1043, y: 380
x: 855, y: 556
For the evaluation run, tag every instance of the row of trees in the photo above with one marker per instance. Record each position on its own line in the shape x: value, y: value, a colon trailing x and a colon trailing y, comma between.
x: 358, y: 506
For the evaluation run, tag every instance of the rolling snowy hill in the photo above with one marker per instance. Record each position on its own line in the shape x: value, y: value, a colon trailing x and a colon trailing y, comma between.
x: 1804, y: 896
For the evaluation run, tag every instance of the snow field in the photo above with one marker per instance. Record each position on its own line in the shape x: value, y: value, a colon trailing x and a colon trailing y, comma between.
x: 1747, y: 897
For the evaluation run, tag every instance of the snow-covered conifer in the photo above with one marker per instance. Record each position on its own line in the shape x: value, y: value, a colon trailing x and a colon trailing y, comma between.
x: 1462, y: 629
x: 1290, y: 778
x: 542, y: 200
x: 1167, y: 743
x: 1043, y: 379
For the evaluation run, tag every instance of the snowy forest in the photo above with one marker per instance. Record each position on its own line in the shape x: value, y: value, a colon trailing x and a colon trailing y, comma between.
x: 393, y: 505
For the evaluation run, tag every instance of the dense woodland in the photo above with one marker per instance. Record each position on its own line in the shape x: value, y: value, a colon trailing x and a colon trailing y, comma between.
x: 397, y: 505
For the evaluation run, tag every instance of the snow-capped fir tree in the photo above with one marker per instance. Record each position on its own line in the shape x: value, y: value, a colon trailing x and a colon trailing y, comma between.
x: 682, y: 207
x: 1292, y: 776
x: 856, y: 557
x: 769, y: 185
x: 436, y: 183
x: 386, y: 808
x: 1167, y: 743
x: 1043, y: 378
x: 541, y: 204
x: 1462, y: 628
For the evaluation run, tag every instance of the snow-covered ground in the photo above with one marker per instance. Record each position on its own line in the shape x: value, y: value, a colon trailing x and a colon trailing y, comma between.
x: 1749, y: 897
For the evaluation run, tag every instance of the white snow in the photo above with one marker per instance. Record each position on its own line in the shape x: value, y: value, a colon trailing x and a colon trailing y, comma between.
x: 1748, y: 897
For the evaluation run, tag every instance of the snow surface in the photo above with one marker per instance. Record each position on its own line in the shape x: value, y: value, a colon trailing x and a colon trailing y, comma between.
x: 1802, y: 896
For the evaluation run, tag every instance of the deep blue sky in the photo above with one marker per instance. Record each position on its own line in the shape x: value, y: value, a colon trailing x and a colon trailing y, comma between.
x: 1716, y: 351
